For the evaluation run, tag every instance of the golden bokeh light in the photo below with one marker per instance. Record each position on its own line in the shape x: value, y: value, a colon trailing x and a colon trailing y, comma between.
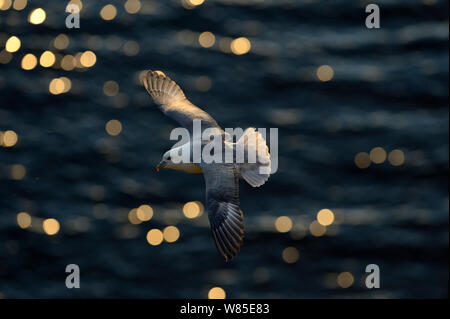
x: 47, y: 59
x: 108, y: 12
x: 61, y: 42
x: 19, y: 4
x: 377, y: 155
x: 317, y: 229
x: 206, y: 39
x: 68, y: 62
x: 113, y: 127
x: 240, y: 46
x: 79, y: 3
x: 29, y: 62
x: 283, y: 224
x: 195, y: 2
x: 5, y: 57
x: 23, y: 220
x: 67, y: 84
x: 17, y: 172
x: 216, y: 293
x: 111, y: 88
x: 144, y: 213
x: 187, y: 4
x: 325, y: 73
x: 155, y: 237
x: 132, y: 217
x: 325, y: 217
x: 12, y: 44
x: 171, y: 234
x: 10, y: 138
x: 56, y: 86
x: 37, y: 16
x: 203, y: 83
x: 132, y: 6
x: 290, y: 255
x: 396, y: 157
x: 131, y: 48
x: 192, y: 209
x: 51, y: 226
x: 5, y: 4
x: 362, y: 160
x: 345, y: 279
x: 88, y: 59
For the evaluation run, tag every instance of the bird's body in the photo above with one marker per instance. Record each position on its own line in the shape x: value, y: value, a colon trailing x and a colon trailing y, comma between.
x: 221, y: 177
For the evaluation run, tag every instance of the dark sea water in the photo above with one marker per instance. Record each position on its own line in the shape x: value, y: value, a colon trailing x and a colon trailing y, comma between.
x: 389, y: 90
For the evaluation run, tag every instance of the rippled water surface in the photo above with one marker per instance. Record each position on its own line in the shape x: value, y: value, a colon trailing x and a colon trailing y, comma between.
x: 388, y: 91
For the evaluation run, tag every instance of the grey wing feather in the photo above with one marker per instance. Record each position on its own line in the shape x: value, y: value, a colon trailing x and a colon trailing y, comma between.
x: 172, y: 101
x: 222, y: 205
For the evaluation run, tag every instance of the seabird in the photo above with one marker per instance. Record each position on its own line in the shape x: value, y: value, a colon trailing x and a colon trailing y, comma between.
x: 221, y: 179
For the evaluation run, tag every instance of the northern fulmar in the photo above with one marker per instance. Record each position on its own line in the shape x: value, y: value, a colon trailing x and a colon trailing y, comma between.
x: 221, y: 177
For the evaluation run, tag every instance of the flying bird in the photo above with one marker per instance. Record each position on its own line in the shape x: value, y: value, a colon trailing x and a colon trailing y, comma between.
x: 221, y: 179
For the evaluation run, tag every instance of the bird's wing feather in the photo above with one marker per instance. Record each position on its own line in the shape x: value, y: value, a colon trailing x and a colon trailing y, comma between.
x: 172, y: 101
x: 222, y: 205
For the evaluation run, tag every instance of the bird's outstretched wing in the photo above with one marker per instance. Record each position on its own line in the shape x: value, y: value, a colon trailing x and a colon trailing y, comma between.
x: 172, y: 101
x: 222, y: 205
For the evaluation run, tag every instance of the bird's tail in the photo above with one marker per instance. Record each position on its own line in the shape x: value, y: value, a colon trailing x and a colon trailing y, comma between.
x: 256, y: 167
x: 162, y: 89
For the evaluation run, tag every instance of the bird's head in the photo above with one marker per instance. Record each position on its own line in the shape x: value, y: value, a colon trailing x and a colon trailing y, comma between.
x: 166, y: 162
x: 171, y: 160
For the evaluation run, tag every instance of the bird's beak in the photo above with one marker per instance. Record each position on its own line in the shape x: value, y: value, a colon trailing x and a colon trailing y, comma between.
x: 160, y: 166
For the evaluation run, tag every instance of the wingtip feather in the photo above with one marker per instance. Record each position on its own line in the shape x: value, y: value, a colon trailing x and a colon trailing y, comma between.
x: 229, y: 235
x: 161, y: 88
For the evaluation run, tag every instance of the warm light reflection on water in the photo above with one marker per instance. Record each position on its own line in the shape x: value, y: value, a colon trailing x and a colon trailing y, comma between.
x: 37, y: 16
